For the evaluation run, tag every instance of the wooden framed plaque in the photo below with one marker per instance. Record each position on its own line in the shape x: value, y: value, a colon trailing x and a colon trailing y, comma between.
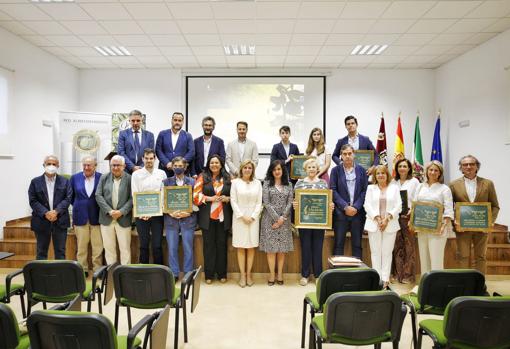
x: 147, y: 204
x: 476, y: 216
x: 178, y: 198
x: 312, y: 210
x: 296, y: 166
x: 426, y: 217
x: 364, y: 158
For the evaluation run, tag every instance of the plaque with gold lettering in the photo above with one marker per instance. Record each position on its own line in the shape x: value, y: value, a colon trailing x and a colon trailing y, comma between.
x: 178, y: 198
x: 364, y: 158
x: 426, y: 217
x: 296, y: 166
x: 476, y: 216
x: 313, y: 210
x: 147, y: 204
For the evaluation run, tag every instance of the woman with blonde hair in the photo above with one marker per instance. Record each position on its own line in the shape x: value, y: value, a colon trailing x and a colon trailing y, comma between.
x: 318, y: 149
x: 246, y: 201
x: 382, y: 205
x: 431, y: 246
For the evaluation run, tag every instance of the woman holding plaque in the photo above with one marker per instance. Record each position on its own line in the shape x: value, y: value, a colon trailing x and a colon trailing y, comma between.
x: 311, y: 239
x: 404, y: 255
x: 318, y: 149
x: 180, y: 222
x: 430, y: 245
x: 275, y: 231
x: 212, y: 195
x: 382, y: 205
x: 246, y: 200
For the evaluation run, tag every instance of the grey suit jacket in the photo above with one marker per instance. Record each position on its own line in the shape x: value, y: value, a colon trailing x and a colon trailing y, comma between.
x: 104, y: 199
x: 233, y: 158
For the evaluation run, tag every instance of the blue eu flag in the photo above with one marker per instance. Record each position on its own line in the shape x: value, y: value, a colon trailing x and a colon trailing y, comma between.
x: 436, y: 153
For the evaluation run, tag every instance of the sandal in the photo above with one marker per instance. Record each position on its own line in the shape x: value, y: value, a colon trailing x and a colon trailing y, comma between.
x: 270, y: 283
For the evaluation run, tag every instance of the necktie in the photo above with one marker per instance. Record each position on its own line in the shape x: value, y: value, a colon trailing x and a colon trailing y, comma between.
x: 137, y: 146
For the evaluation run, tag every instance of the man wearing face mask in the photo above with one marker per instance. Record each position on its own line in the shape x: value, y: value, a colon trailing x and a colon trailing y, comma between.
x: 50, y: 196
x: 149, y: 229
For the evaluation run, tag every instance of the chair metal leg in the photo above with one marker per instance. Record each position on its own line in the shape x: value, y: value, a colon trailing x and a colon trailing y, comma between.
x: 89, y: 305
x: 99, y: 305
x: 23, y: 310
x: 303, y: 325
x: 184, y: 319
x: 413, y: 323
x: 129, y: 316
x: 116, y: 322
x: 395, y: 344
x: 176, y: 334
x: 29, y: 306
x: 311, y: 338
x: 44, y: 305
x: 420, y: 338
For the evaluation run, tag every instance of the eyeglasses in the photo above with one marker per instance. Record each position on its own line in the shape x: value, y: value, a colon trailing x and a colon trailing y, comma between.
x: 116, y: 165
x: 469, y: 164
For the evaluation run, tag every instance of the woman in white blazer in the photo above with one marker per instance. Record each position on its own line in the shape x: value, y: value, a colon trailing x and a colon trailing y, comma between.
x: 382, y: 205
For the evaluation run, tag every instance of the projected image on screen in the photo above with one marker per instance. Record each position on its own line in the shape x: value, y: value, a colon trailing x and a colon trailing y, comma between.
x: 265, y: 103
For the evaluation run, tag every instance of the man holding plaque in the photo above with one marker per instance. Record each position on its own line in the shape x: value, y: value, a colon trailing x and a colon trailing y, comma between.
x: 356, y: 141
x: 349, y: 183
x: 150, y: 229
x: 472, y: 189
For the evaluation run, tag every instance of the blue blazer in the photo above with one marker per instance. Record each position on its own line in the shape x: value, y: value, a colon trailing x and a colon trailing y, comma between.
x: 185, y: 223
x: 217, y: 147
x: 278, y: 153
x: 338, y: 185
x: 166, y: 152
x: 126, y: 147
x: 38, y: 199
x: 85, y: 208
x: 364, y: 144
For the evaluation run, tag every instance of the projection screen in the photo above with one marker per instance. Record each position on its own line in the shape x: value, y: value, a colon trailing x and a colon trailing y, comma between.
x: 265, y: 102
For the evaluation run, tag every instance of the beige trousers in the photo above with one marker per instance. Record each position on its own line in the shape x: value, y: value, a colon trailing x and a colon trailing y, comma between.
x: 479, y: 240
x: 111, y: 234
x: 431, y: 249
x: 85, y: 234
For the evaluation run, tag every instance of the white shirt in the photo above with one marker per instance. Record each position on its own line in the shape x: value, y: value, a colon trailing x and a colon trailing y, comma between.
x: 89, y: 184
x: 143, y: 180
x: 470, y: 188
x: 354, y: 141
x: 241, y: 148
x: 286, y: 147
x: 207, y: 147
x: 175, y: 137
x: 410, y: 185
x: 115, y: 192
x: 50, y: 187
x: 437, y: 192
x: 321, y: 159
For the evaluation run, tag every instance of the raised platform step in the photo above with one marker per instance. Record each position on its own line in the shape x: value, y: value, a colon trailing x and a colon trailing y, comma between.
x: 16, y: 261
x: 15, y: 232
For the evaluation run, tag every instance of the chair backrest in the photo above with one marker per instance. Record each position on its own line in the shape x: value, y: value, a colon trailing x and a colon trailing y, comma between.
x: 9, y: 330
x: 54, y: 279
x: 144, y: 283
x: 364, y: 316
x: 346, y: 280
x: 438, y: 287
x: 478, y: 322
x: 56, y: 329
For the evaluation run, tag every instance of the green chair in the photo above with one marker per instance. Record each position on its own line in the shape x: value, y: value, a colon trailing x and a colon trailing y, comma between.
x: 147, y: 286
x: 471, y: 323
x: 9, y: 289
x: 359, y: 318
x: 59, y: 281
x: 338, y: 280
x: 438, y: 287
x: 10, y: 335
x: 56, y: 329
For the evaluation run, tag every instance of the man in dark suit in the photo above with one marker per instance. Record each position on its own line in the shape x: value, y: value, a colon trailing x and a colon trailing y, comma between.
x: 349, y: 185
x: 133, y: 141
x: 86, y: 214
x: 206, y: 145
x: 284, y: 150
x: 50, y: 196
x: 356, y: 140
x: 174, y: 142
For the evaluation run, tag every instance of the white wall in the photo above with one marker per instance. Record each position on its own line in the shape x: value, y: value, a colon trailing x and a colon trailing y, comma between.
x: 475, y: 87
x: 43, y: 85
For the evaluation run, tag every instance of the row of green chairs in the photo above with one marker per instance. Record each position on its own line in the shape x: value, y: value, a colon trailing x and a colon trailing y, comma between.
x: 10, y: 289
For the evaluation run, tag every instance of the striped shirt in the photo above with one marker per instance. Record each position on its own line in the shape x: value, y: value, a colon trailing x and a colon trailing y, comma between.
x: 199, y: 197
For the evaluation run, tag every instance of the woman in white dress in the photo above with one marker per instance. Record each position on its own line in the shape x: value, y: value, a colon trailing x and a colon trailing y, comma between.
x: 431, y: 246
x: 318, y: 149
x: 246, y: 202
x: 382, y: 205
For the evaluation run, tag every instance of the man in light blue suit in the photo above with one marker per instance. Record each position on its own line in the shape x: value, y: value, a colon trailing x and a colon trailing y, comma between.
x: 174, y: 142
x: 133, y: 141
x: 207, y: 145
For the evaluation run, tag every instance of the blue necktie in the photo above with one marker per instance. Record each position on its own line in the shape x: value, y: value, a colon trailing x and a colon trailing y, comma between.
x: 137, y: 146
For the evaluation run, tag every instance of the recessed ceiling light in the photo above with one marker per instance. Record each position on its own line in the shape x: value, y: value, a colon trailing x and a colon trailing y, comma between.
x: 239, y: 50
x: 368, y: 49
x: 112, y: 50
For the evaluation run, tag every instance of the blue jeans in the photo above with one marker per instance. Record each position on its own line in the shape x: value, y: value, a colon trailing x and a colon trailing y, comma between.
x: 172, y: 238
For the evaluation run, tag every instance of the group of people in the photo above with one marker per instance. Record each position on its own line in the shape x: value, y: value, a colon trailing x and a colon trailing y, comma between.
x: 227, y: 197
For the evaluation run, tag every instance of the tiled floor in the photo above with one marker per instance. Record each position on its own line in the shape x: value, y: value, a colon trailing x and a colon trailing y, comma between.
x: 255, y: 317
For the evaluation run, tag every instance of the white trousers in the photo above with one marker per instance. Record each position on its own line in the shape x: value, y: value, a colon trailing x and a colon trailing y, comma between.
x: 85, y: 234
x: 111, y: 234
x: 381, y: 251
x: 431, y: 247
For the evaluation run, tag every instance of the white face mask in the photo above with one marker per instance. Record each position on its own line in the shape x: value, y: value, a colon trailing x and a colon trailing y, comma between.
x: 50, y: 169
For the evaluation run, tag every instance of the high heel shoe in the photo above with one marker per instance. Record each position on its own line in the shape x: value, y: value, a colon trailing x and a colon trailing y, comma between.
x: 242, y: 281
x: 249, y: 281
